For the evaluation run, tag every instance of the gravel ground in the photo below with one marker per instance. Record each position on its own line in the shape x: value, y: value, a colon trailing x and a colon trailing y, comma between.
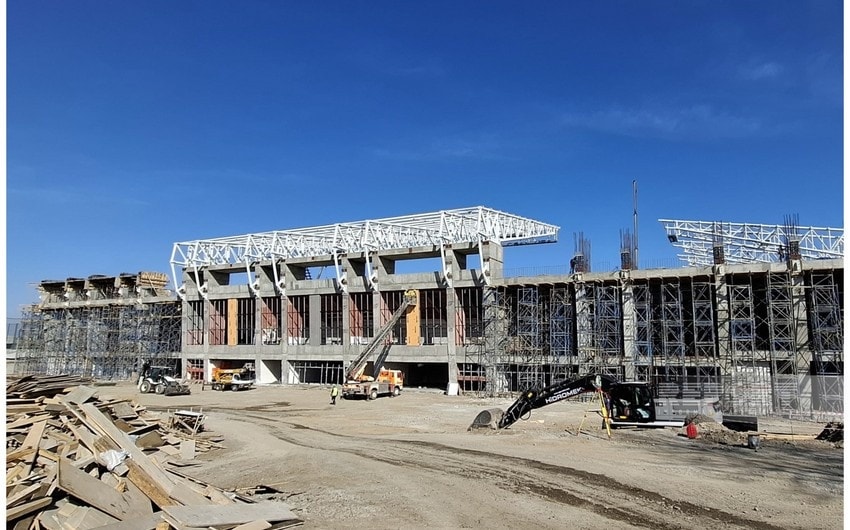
x: 411, y: 462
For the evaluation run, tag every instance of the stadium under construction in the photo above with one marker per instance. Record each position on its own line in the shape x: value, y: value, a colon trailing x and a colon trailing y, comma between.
x: 753, y: 319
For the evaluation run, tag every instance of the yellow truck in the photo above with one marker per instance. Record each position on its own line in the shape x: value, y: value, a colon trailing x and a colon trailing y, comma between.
x: 387, y: 382
x: 232, y: 378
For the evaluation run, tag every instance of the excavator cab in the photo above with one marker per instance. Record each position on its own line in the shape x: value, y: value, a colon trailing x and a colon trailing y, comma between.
x: 631, y: 402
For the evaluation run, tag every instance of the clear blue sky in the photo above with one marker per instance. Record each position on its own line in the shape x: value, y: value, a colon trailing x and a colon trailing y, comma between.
x: 133, y: 125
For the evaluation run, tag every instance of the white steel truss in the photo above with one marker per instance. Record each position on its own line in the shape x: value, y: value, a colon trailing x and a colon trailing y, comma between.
x: 748, y: 243
x: 446, y: 227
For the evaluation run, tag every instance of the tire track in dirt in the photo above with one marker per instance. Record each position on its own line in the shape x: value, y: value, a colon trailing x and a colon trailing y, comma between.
x: 559, y: 484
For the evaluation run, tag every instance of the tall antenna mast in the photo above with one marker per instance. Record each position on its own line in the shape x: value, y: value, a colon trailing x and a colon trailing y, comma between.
x: 635, y: 217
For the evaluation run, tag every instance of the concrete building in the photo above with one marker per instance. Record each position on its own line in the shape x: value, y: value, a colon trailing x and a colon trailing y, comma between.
x: 759, y: 331
x: 761, y: 337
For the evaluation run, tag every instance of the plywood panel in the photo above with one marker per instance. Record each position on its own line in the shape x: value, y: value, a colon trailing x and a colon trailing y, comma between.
x: 232, y: 314
x: 413, y: 325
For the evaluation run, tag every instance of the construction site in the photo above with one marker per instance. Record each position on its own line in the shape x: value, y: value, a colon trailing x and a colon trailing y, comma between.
x: 753, y: 318
x: 749, y: 329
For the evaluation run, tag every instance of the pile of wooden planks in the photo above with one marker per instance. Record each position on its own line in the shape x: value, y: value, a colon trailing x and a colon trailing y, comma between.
x: 75, y: 461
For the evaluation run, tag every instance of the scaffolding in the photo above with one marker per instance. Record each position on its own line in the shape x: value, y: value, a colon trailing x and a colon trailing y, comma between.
x: 826, y: 318
x: 108, y: 342
x: 562, y: 334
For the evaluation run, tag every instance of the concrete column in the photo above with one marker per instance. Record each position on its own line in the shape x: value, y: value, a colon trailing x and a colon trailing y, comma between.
x: 802, y: 342
x: 492, y: 260
x: 346, y: 319
x: 292, y: 273
x: 377, y: 318
x: 629, y: 327
x: 584, y: 328
x: 451, y: 269
x: 315, y: 309
x: 451, y: 343
x: 355, y: 270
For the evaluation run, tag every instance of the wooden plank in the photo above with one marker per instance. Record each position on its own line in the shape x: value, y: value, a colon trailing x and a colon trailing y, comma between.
x: 22, y: 495
x: 54, y: 407
x: 170, y: 450
x: 25, y: 421
x: 149, y: 440
x: 24, y: 524
x: 124, y: 411
x: 81, y: 394
x: 123, y: 425
x: 190, y: 494
x: 24, y: 509
x: 86, y: 518
x: 124, y: 442
x: 139, y: 477
x: 145, y: 428
x: 231, y: 514
x: 104, y: 443
x: 94, y: 492
x: 187, y: 450
x: 48, y: 455
x: 81, y: 433
x: 20, y: 454
x: 72, y: 408
x: 21, y: 469
x: 148, y: 522
x: 12, y: 410
x: 35, y: 435
x: 217, y: 496
x: 783, y: 436
x: 140, y: 501
x: 253, y: 525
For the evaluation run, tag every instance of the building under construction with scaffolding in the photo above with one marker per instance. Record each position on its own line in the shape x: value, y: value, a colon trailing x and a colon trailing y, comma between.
x: 100, y: 326
x: 753, y: 320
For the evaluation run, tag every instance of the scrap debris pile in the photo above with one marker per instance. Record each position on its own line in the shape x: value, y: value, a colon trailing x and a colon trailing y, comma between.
x: 75, y: 460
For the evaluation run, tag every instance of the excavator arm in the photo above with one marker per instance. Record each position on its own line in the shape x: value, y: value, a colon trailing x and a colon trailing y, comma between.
x: 535, y: 398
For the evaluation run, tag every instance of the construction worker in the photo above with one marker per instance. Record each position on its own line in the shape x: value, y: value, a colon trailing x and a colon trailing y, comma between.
x: 334, y: 394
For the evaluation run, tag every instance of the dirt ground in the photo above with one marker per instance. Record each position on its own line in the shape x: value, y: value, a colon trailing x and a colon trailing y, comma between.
x: 410, y: 462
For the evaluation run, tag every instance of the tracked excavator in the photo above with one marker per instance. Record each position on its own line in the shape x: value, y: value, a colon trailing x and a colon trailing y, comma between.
x: 625, y: 403
x: 382, y: 381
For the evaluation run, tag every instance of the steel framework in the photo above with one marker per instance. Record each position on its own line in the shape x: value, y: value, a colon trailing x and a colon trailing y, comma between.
x: 440, y: 229
x: 748, y: 242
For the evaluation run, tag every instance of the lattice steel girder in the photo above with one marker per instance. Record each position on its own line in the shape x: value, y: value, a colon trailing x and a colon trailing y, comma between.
x: 445, y: 227
x: 748, y: 242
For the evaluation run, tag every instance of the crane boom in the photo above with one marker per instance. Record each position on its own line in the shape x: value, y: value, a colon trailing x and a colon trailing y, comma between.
x: 355, y: 369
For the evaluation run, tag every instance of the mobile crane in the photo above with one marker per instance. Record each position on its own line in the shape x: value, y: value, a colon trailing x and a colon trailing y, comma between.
x: 382, y: 381
x: 626, y: 403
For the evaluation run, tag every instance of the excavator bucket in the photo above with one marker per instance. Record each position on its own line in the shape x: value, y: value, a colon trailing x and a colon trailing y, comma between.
x: 487, y: 419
